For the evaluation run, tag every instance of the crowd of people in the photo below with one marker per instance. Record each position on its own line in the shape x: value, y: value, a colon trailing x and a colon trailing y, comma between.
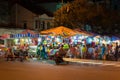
x: 81, y: 51
x: 102, y: 52
x: 16, y: 52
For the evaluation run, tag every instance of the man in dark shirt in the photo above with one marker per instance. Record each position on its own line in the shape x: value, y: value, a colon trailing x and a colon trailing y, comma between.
x: 116, y: 52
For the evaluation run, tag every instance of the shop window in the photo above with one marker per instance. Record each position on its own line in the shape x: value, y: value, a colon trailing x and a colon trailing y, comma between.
x: 25, y: 25
x: 48, y: 25
x: 43, y: 25
x: 36, y: 25
x: 39, y: 24
x: 115, y: 7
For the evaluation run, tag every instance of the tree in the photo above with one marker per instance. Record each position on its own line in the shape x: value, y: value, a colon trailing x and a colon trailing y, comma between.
x: 75, y: 13
x: 80, y: 12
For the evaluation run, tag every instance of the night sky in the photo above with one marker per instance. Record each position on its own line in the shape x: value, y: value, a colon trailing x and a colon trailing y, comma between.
x: 39, y: 1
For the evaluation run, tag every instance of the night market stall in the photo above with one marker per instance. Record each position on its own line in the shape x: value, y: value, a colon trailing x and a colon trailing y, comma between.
x: 27, y: 39
x: 59, y: 34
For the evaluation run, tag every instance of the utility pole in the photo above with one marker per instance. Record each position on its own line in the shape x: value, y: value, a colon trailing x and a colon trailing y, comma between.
x: 16, y: 15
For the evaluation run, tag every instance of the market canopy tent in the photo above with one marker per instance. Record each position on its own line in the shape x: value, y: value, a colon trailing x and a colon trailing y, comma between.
x: 114, y: 38
x: 26, y: 33
x: 79, y: 31
x: 4, y: 36
x: 30, y: 33
x: 63, y: 31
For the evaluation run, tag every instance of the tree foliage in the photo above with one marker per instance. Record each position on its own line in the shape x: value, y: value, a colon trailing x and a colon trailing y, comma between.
x: 75, y: 13
x: 80, y: 12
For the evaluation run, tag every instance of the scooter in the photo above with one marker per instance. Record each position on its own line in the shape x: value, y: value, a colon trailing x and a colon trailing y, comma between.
x: 59, y: 59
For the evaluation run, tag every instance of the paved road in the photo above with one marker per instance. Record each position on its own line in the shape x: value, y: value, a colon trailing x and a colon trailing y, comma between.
x: 94, y: 62
x: 46, y: 70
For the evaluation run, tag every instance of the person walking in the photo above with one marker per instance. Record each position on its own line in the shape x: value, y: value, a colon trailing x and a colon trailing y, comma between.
x: 90, y: 52
x: 116, y: 52
x: 43, y: 53
x: 9, y: 54
x: 84, y: 50
x: 103, y: 49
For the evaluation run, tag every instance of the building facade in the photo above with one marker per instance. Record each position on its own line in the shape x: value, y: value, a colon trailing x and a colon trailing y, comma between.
x: 4, y: 13
x: 26, y: 19
x: 43, y: 22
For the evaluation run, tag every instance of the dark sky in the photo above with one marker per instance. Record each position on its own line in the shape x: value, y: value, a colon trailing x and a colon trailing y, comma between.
x: 38, y: 5
x: 51, y: 0
x: 34, y: 1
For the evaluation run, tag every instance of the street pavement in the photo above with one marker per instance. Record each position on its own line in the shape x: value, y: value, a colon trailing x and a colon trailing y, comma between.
x: 77, y: 69
x: 94, y: 62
